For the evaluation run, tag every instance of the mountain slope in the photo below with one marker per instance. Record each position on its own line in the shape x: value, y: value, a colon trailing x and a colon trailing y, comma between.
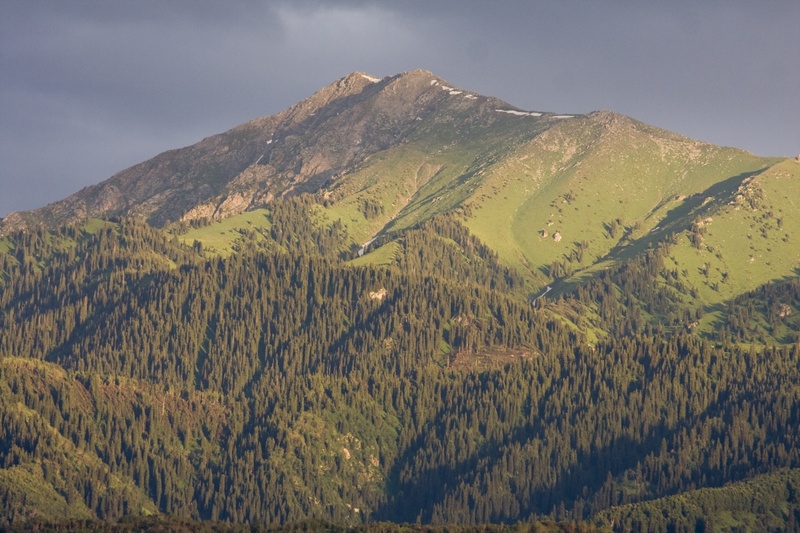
x: 557, y: 197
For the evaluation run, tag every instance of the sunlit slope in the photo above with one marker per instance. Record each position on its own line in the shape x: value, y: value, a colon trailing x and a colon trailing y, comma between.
x: 744, y: 236
x: 225, y: 236
x: 437, y: 170
x: 594, y: 183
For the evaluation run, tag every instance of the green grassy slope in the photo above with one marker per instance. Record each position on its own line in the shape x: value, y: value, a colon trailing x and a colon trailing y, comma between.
x: 26, y: 483
x: 605, y: 181
x: 745, y: 235
x: 221, y: 237
x: 437, y: 171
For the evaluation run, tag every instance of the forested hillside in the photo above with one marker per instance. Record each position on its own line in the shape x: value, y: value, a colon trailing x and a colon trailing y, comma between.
x: 289, y: 380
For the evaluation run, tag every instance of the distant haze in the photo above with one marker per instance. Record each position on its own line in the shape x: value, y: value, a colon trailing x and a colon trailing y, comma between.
x: 88, y: 88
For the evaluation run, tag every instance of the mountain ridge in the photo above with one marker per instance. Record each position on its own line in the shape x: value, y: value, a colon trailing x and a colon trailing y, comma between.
x: 185, y: 178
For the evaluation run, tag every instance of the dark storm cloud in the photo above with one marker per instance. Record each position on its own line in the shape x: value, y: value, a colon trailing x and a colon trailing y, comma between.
x: 88, y: 88
x: 86, y: 91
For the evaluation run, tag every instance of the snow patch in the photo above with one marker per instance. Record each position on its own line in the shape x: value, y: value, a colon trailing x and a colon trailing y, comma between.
x: 563, y: 116
x: 470, y: 97
x: 434, y: 82
x: 446, y: 88
x: 373, y: 79
x: 269, y: 141
x: 519, y: 113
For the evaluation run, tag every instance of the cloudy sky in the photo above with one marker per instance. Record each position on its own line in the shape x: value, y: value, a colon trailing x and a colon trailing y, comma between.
x: 88, y: 88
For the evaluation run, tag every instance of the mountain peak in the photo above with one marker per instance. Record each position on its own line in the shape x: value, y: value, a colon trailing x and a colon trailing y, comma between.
x: 417, y: 73
x: 350, y: 85
x: 355, y: 80
x: 363, y: 79
x: 313, y: 145
x: 363, y: 75
x: 418, y: 78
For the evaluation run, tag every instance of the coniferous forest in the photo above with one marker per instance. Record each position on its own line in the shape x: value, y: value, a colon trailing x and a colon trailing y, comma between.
x: 147, y: 380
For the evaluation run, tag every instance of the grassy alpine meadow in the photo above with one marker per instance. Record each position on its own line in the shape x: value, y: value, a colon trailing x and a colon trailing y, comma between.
x: 219, y: 237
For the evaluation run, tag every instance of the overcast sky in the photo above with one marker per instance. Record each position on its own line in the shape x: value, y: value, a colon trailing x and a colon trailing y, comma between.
x: 88, y: 88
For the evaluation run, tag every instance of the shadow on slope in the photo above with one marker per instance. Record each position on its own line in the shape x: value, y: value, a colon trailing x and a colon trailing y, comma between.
x: 677, y: 220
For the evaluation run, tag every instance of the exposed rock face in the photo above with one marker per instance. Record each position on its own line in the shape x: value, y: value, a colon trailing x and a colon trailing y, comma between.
x: 379, y: 294
x: 298, y: 150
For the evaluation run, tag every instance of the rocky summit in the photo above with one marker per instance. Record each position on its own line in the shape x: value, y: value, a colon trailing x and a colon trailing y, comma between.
x: 302, y: 149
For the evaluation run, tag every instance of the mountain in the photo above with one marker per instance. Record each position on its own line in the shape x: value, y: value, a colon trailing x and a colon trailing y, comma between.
x: 539, y: 188
x: 403, y: 301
